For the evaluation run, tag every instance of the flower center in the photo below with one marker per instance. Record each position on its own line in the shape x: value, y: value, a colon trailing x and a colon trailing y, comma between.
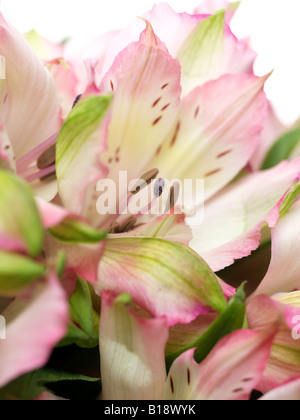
x: 158, y: 188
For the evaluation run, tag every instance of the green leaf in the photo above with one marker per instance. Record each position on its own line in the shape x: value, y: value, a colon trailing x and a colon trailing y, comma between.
x: 202, y: 50
x: 71, y: 231
x: 84, y: 328
x: 230, y: 320
x: 19, y: 216
x: 17, y: 272
x: 31, y: 385
x: 282, y: 149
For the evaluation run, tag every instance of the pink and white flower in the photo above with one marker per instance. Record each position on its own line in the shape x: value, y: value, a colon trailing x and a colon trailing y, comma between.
x: 133, y: 366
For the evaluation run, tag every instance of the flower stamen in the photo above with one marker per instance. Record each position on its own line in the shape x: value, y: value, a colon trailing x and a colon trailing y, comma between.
x: 47, y: 158
x: 126, y: 227
x: 145, y: 180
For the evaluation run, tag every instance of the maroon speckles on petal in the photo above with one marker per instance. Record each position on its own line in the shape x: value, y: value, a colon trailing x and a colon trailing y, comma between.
x: 197, y: 112
x: 77, y: 99
x: 157, y: 120
x: 176, y: 133
x: 158, y: 150
x: 238, y: 390
x: 189, y: 377
x: 164, y: 86
x: 165, y: 107
x: 246, y: 380
x: 224, y: 154
x: 156, y: 102
x: 110, y: 160
x: 172, y: 385
x: 214, y: 172
x: 112, y: 85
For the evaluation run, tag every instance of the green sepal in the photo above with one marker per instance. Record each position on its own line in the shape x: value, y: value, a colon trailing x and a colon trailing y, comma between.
x: 17, y: 273
x: 72, y: 231
x: 19, y: 216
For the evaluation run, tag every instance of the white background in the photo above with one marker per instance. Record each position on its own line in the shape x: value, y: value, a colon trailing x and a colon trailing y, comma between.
x: 273, y: 25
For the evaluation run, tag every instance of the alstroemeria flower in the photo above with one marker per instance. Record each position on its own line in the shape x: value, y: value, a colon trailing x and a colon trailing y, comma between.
x: 143, y: 123
x: 33, y: 303
x: 164, y: 275
x: 284, y: 361
x: 133, y: 365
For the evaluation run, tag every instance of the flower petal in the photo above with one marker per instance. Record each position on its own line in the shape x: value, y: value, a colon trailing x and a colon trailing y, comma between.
x: 29, y: 94
x: 173, y: 35
x: 233, y: 219
x: 132, y: 352
x: 165, y: 278
x: 146, y: 84
x: 230, y: 372
x: 284, y: 360
x: 79, y: 145
x: 284, y: 270
x: 44, y: 48
x: 35, y: 324
x: 212, y: 51
x: 211, y: 6
x: 213, y: 139
x: 66, y: 82
x: 287, y: 392
x: 179, y: 28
